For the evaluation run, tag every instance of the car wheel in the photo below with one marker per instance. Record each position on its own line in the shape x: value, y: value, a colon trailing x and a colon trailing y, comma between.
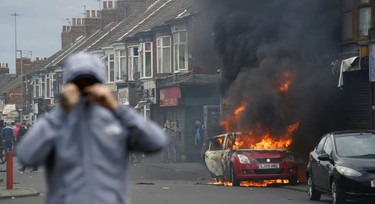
x: 233, y: 179
x: 311, y: 191
x: 338, y: 196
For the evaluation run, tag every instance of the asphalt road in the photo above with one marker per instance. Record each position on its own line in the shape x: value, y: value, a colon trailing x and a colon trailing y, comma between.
x: 183, y: 183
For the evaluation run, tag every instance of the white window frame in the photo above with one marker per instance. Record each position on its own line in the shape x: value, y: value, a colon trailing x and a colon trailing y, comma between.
x: 121, y: 71
x: 133, y: 57
x: 47, y: 87
x: 110, y: 67
x: 42, y: 86
x: 144, y: 55
x: 177, y: 43
x: 36, y: 91
x: 164, y: 43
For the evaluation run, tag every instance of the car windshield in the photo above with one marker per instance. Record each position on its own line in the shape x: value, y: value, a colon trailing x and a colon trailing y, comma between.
x: 356, y: 145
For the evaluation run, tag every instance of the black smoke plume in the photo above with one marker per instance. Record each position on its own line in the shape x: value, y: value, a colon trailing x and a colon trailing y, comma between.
x: 259, y: 43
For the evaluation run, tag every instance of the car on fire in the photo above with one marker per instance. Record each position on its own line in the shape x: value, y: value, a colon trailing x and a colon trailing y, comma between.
x: 343, y: 165
x: 229, y: 159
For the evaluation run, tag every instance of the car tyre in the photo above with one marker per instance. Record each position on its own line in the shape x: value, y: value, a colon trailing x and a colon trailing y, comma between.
x: 311, y: 191
x: 338, y: 196
x: 233, y: 179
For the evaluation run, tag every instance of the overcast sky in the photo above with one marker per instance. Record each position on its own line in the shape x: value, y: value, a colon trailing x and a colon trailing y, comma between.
x: 39, y: 26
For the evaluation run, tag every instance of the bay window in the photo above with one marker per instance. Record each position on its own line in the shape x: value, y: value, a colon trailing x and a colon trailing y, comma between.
x: 121, y: 72
x: 133, y: 62
x: 145, y: 54
x: 164, y: 54
x: 111, y: 68
x: 180, y: 50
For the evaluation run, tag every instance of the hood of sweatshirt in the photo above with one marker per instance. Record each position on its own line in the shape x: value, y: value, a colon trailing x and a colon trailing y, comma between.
x: 83, y: 65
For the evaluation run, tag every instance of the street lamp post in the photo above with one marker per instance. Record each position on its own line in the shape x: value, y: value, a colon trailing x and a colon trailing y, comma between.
x: 15, y: 35
x: 22, y: 91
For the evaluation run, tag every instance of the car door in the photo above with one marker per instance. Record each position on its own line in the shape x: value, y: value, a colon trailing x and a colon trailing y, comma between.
x: 324, y: 167
x: 315, y: 163
x: 213, y: 156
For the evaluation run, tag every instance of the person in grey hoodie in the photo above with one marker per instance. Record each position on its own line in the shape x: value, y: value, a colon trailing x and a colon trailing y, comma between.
x: 84, y: 142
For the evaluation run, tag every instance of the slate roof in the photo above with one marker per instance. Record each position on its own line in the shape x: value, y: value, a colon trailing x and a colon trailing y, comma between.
x: 10, y: 84
x: 157, y: 14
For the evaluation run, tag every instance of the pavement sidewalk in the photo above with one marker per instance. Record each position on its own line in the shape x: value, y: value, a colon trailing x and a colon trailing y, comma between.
x: 18, y: 190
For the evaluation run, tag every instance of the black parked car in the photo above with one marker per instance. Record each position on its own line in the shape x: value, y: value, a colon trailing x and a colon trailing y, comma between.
x: 343, y: 165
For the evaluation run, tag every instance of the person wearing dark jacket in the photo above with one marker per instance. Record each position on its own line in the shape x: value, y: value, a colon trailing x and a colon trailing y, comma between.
x: 7, y: 137
x: 85, y: 141
x: 21, y: 132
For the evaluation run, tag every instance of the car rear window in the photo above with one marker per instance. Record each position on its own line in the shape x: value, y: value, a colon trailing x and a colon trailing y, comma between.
x: 355, y: 145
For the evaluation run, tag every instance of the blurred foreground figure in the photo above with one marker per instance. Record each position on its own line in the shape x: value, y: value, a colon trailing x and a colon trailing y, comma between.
x: 84, y: 142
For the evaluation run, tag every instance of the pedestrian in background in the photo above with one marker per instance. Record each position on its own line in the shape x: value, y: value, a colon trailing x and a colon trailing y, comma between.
x: 2, y: 154
x: 22, y: 131
x: 198, y: 134
x: 176, y: 150
x: 167, y: 151
x: 16, y: 128
x: 84, y: 142
x: 7, y: 136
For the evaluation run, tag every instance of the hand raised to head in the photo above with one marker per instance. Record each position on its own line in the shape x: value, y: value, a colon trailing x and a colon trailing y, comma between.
x: 99, y: 93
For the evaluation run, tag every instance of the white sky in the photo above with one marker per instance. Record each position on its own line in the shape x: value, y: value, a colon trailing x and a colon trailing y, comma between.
x: 39, y: 26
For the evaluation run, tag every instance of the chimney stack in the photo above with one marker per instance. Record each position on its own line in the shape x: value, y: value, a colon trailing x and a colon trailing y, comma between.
x: 74, y: 21
x: 93, y: 13
x: 110, y: 4
x: 104, y: 5
x: 87, y: 13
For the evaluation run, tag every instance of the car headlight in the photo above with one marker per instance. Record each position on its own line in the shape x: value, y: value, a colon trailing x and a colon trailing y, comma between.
x: 346, y: 171
x: 243, y: 159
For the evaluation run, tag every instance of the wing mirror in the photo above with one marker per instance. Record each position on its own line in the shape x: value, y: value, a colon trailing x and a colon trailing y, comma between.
x: 324, y: 157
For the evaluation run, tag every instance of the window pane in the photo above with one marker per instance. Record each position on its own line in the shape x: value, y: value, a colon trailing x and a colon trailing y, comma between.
x: 175, y: 57
x: 147, y: 46
x: 112, y: 71
x: 48, y: 88
x: 135, y: 51
x: 159, y: 55
x: 122, y: 72
x: 148, y: 64
x: 182, y: 36
x: 347, y: 28
x: 364, y: 1
x: 135, y: 67
x: 364, y: 21
x: 167, y: 60
x: 181, y: 57
x: 166, y: 41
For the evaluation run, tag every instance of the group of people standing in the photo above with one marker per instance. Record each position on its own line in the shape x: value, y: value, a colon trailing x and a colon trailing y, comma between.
x: 172, y: 153
x: 11, y: 135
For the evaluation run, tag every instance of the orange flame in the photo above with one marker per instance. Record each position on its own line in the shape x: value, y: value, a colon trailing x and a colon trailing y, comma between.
x: 286, y: 81
x: 262, y: 183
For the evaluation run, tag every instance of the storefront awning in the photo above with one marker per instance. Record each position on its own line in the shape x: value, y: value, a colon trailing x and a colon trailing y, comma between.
x: 350, y: 64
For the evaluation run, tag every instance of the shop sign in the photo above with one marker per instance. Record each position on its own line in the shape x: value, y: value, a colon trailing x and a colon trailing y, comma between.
x: 169, y: 96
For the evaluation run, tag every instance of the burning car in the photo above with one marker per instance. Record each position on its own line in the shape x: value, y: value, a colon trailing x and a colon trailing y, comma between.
x: 231, y: 157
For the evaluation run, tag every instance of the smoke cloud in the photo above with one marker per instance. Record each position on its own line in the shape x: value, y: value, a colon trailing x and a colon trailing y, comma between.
x: 261, y: 45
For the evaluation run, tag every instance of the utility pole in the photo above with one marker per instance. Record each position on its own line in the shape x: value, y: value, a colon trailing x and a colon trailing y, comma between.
x: 15, y: 14
x: 22, y: 91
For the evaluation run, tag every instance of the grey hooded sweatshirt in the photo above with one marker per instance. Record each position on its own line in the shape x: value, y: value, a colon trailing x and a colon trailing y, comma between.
x: 85, y: 151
